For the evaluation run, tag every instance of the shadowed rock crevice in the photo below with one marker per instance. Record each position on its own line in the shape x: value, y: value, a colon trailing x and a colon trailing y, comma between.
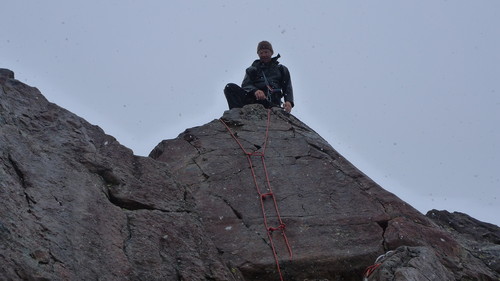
x: 203, y: 174
x: 129, y: 204
x: 108, y: 177
x: 318, y: 148
x: 23, y: 180
x: 383, y: 224
x: 128, y: 235
x: 236, y: 213
x: 17, y: 169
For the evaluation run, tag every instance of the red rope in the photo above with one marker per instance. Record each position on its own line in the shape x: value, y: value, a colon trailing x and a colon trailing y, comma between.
x: 369, y: 270
x: 263, y: 196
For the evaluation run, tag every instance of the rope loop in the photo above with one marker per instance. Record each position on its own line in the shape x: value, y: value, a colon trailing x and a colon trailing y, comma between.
x: 266, y: 194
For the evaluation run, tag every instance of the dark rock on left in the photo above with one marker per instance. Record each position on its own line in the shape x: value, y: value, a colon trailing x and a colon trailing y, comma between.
x: 77, y: 205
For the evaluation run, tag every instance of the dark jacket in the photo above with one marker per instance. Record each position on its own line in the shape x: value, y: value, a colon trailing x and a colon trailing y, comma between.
x: 277, y: 76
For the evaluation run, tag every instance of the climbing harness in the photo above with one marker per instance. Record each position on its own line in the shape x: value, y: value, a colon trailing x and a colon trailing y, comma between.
x: 271, y: 91
x: 262, y: 196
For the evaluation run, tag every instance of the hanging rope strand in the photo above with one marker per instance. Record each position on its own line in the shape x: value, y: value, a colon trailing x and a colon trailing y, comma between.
x: 262, y: 196
x: 271, y: 193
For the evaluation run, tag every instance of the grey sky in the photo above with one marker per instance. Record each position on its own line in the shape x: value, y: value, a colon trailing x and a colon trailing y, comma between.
x: 406, y: 90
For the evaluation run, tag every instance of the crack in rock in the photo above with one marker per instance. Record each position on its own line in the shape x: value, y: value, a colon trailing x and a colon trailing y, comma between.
x: 22, y: 179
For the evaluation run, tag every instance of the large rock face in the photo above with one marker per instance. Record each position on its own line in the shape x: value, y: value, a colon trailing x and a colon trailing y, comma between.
x: 337, y: 219
x: 77, y: 205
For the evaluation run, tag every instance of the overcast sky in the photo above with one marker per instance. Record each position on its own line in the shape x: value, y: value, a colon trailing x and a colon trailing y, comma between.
x: 408, y: 91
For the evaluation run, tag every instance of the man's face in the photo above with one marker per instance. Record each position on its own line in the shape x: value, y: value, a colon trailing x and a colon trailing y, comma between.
x: 265, y: 55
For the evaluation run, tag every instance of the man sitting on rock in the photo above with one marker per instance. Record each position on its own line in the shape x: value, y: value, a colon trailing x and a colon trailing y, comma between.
x: 266, y: 82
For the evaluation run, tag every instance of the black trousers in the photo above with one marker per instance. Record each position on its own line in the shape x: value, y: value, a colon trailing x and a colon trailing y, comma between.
x: 237, y: 97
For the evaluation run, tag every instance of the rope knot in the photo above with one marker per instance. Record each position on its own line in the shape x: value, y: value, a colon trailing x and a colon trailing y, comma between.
x: 281, y: 227
x: 266, y: 194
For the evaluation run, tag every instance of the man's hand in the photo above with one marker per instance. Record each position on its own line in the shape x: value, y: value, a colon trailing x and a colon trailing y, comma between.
x: 287, y: 106
x: 259, y: 95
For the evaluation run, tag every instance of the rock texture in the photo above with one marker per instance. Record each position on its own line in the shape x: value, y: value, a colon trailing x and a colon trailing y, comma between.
x: 337, y: 219
x: 77, y: 205
x: 411, y: 263
x: 480, y: 239
x: 480, y: 244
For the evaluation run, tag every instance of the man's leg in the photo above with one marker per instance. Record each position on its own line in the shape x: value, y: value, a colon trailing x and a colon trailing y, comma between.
x: 235, y: 95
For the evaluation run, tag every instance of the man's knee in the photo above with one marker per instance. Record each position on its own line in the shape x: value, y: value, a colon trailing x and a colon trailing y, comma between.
x: 230, y: 88
x: 235, y: 95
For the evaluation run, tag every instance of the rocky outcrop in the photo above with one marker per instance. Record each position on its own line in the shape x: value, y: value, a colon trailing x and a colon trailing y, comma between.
x: 77, y: 205
x: 337, y: 219
x: 480, y: 246
x: 410, y: 263
x: 479, y: 239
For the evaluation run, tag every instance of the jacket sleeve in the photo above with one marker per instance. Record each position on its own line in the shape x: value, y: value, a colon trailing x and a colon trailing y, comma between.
x: 247, y: 84
x: 287, y: 86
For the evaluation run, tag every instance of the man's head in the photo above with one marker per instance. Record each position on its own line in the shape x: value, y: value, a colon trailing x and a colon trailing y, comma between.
x: 265, y: 51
